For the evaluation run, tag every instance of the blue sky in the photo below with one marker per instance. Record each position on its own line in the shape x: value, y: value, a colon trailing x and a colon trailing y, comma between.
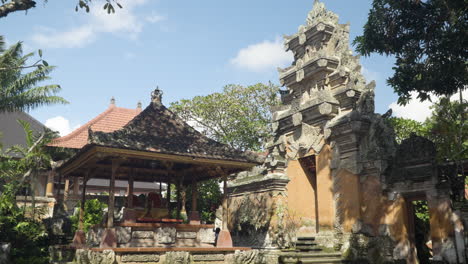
x: 188, y: 48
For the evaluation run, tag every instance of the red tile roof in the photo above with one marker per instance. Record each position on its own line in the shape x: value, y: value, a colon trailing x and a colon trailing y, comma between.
x: 112, y: 119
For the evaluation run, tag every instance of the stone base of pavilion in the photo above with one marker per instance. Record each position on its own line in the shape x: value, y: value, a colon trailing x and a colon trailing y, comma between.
x: 154, y: 243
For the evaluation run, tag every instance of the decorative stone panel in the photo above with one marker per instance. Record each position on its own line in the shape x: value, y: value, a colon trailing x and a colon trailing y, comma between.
x: 124, y: 234
x: 143, y: 234
x: 140, y: 258
x: 208, y: 257
x: 165, y: 235
x: 206, y: 235
x: 187, y: 235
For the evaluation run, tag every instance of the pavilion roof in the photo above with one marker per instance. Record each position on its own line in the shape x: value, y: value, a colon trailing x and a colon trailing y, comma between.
x: 156, y: 129
x: 110, y: 120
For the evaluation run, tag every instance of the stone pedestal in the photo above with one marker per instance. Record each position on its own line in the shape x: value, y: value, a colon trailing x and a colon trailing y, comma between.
x: 129, y: 216
x: 194, y: 218
x: 224, y: 239
x: 79, y: 240
x: 109, y: 238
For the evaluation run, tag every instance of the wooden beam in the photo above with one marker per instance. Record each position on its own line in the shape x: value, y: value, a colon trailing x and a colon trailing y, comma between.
x: 173, y: 158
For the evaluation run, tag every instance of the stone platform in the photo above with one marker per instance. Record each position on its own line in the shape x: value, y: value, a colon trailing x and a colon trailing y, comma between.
x: 156, y: 235
x: 159, y: 255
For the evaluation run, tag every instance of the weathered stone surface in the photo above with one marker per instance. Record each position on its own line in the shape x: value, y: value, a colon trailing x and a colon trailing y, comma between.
x: 165, y: 235
x: 143, y: 234
x: 84, y: 256
x: 177, y: 257
x: 93, y: 236
x: 208, y: 257
x: 248, y: 257
x: 149, y: 242
x: 188, y: 235
x: 124, y: 234
x: 140, y: 258
x: 206, y: 235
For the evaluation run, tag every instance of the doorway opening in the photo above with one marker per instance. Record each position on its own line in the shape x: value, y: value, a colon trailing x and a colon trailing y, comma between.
x: 309, y: 166
x: 419, y: 228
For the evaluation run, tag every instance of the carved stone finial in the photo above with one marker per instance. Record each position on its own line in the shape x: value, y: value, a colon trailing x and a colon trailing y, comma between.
x: 156, y: 96
x: 139, y: 105
x: 319, y: 13
x: 112, y: 101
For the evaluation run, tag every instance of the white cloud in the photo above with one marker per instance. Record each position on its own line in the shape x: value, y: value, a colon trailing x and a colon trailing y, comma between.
x: 60, y: 124
x: 155, y: 18
x: 123, y: 22
x: 417, y: 110
x: 370, y: 75
x: 263, y: 56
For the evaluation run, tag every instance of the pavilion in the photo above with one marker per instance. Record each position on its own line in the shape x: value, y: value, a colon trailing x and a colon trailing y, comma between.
x: 155, y: 146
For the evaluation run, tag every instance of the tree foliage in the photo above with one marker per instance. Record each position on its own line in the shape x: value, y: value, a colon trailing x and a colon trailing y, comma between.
x: 18, y: 89
x: 10, y: 6
x: 19, y: 226
x: 239, y: 116
x: 92, y: 214
x: 428, y: 39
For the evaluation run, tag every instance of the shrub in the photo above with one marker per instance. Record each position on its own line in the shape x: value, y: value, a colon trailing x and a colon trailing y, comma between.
x: 93, y: 215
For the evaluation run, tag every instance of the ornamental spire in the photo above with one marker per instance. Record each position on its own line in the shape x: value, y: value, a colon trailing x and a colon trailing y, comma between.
x: 156, y: 96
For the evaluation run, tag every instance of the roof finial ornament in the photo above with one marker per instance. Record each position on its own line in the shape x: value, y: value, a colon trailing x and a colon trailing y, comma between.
x: 156, y: 96
x: 112, y: 101
x: 139, y: 105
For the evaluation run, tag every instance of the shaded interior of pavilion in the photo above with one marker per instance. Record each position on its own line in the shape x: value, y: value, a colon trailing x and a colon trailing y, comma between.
x: 156, y: 146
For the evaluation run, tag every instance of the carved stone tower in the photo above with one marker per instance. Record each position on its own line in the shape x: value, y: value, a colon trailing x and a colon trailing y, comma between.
x: 333, y: 169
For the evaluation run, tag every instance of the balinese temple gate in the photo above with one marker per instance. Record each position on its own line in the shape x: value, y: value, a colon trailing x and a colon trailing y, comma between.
x: 334, y: 176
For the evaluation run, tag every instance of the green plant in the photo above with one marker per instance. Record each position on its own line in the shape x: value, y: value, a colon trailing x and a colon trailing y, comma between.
x: 28, y: 237
x: 93, y: 214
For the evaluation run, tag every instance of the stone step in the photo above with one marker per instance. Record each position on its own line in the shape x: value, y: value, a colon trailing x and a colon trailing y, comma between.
x: 306, y: 242
x: 321, y: 261
x: 308, y: 248
x: 311, y: 254
x: 306, y: 238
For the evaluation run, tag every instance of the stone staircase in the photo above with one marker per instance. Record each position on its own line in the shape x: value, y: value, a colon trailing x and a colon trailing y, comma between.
x: 307, y: 251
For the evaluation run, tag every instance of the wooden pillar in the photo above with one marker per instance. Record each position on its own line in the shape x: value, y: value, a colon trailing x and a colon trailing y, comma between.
x: 76, y: 187
x: 79, y: 240
x: 50, y: 183
x: 82, y: 205
x: 194, y: 214
x: 66, y: 190
x: 59, y: 197
x: 224, y: 238
x: 183, y: 200
x: 225, y: 207
x: 168, y: 197
x: 111, y: 202
x: 130, y: 189
x: 178, y: 193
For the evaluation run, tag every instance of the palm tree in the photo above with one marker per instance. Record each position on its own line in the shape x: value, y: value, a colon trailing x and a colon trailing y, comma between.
x: 18, y: 89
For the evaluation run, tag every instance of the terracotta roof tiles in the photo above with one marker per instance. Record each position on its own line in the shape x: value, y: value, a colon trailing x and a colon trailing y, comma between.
x: 112, y: 119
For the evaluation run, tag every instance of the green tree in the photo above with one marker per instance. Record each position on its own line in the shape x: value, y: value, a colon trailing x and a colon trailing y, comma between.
x: 19, y: 226
x: 428, y: 39
x: 405, y: 127
x: 449, y: 131
x: 9, y: 6
x: 18, y: 89
x: 239, y: 116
